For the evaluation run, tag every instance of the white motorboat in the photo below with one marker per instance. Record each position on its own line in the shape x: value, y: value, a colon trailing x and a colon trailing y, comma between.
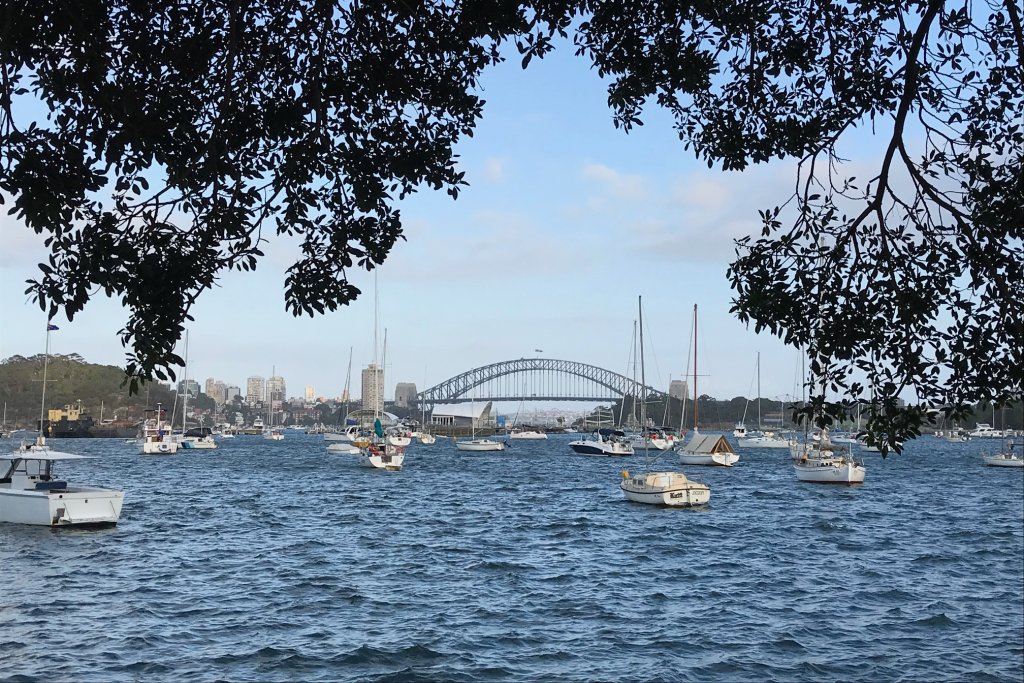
x: 658, y: 438
x: 273, y: 434
x: 740, y: 430
x: 30, y: 493
x: 399, y: 437
x: 763, y: 440
x: 708, y: 449
x: 664, y: 488
x: 480, y: 445
x: 984, y: 430
x: 155, y: 435
x: 198, y: 437
x: 819, y: 462
x: 527, y: 434
x: 604, y: 441
x: 351, y: 433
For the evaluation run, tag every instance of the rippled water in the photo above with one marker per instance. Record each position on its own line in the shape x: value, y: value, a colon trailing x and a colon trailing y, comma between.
x: 276, y: 561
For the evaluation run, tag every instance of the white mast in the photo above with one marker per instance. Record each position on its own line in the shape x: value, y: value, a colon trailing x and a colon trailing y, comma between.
x: 643, y: 380
x: 41, y: 439
x: 184, y: 403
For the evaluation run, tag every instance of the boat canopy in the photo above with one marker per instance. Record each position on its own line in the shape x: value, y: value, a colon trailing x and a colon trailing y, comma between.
x: 604, y: 431
x: 709, y: 443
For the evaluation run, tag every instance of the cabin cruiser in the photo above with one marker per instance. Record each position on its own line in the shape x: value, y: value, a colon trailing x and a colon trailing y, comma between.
x: 31, y: 493
x: 603, y: 442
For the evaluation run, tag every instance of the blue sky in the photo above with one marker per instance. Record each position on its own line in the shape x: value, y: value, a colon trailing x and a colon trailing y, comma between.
x: 566, y: 221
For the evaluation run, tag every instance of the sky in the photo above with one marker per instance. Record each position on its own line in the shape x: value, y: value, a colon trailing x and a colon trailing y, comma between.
x: 566, y: 221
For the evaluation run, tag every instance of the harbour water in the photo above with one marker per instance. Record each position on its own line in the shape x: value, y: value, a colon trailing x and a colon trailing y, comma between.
x: 274, y: 561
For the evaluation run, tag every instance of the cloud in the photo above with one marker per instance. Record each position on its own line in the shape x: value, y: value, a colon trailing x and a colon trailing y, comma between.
x: 494, y: 170
x: 618, y: 185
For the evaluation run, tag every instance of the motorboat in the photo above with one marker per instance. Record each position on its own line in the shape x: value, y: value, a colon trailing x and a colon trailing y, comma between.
x: 740, y: 430
x: 658, y: 438
x: 708, y: 449
x: 273, y: 434
x: 399, y: 437
x: 984, y: 430
x: 427, y: 438
x: 480, y: 445
x: 349, y: 434
x: 528, y: 434
x: 198, y: 437
x: 30, y: 492
x: 604, y: 441
x: 820, y: 462
x: 155, y: 434
x: 673, y: 489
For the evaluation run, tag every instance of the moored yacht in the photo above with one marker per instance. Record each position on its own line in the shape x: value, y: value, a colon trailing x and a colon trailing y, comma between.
x: 155, y: 434
x: 819, y: 462
x: 1005, y: 458
x: 673, y: 489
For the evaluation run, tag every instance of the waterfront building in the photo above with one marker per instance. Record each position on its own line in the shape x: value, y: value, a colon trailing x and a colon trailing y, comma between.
x: 464, y: 415
x: 405, y: 394
x: 373, y: 387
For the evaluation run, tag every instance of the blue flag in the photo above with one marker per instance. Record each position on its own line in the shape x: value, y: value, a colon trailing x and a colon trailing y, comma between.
x: 51, y: 327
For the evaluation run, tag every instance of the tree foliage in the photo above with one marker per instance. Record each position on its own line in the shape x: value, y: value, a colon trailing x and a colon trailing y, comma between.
x: 178, y: 136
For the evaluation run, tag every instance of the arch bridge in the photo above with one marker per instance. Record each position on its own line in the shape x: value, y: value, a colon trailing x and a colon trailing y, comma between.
x: 537, y: 379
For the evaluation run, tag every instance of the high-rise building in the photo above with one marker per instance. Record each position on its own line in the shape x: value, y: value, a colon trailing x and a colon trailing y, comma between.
x: 310, y: 394
x: 373, y: 388
x: 276, y: 388
x: 405, y: 394
x: 189, y: 385
x: 230, y: 392
x: 254, y: 390
x: 219, y: 392
x: 678, y: 388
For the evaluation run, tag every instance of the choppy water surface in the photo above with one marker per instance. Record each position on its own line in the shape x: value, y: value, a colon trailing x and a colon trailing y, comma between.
x: 276, y: 561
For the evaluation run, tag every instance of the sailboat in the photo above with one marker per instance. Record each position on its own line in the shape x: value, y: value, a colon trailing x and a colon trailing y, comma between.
x: 396, y: 435
x: 4, y: 433
x: 762, y: 438
x: 1006, y: 457
x: 669, y: 488
x: 704, y: 449
x: 270, y: 432
x: 425, y: 436
x: 475, y: 444
x: 375, y: 451
x: 819, y: 461
x: 30, y: 492
x: 200, y: 437
x: 527, y: 433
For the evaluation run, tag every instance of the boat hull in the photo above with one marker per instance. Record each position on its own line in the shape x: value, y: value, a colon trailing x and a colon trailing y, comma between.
x: 75, y: 506
x: 528, y: 435
x: 480, y: 445
x: 668, y: 489
x: 158, y: 448
x: 996, y: 461
x: 762, y: 442
x: 382, y: 461
x: 591, y: 447
x: 709, y: 459
x: 825, y: 472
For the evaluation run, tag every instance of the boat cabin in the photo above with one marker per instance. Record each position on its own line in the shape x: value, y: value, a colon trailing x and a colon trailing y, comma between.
x: 30, y: 473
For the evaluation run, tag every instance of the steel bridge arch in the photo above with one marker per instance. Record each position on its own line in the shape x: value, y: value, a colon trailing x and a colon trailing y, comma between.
x: 458, y: 388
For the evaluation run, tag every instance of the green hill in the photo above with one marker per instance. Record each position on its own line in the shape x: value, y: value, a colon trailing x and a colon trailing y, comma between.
x: 71, y: 379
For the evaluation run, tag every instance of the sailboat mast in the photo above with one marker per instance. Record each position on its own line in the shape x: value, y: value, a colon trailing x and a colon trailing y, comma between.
x: 695, y: 367
x: 184, y: 403
x: 46, y: 364
x: 380, y: 387
x: 643, y: 377
x: 758, y: 391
